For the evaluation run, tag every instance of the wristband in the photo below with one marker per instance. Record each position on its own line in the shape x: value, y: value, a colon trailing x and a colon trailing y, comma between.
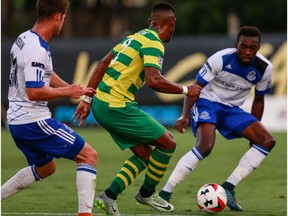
x: 87, y: 99
x: 185, y: 90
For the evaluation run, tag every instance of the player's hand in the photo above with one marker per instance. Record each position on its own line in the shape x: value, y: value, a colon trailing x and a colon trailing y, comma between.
x: 182, y: 123
x: 89, y: 91
x: 75, y: 91
x: 81, y: 112
x: 194, y: 90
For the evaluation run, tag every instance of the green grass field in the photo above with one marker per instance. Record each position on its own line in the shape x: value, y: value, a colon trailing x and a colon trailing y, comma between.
x: 263, y: 193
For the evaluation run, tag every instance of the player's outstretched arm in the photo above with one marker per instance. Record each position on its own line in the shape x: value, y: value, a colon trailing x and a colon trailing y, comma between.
x: 155, y: 80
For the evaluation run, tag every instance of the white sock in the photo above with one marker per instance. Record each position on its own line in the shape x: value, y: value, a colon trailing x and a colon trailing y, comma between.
x: 86, y: 185
x: 21, y: 180
x: 185, y: 165
x: 249, y: 162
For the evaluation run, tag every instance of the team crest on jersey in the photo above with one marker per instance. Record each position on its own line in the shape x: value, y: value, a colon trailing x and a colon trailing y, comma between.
x: 251, y: 75
x: 160, y: 60
x: 204, y: 115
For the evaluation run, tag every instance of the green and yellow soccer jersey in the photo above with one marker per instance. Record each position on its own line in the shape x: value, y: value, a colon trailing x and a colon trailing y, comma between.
x: 125, y: 73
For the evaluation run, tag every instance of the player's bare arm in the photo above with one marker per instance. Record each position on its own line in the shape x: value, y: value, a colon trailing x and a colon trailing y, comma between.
x: 47, y: 93
x: 184, y: 120
x: 155, y: 80
x: 56, y: 81
x: 83, y: 109
x: 99, y: 71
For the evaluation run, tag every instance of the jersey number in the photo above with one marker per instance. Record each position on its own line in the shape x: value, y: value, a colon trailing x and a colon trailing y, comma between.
x: 125, y: 44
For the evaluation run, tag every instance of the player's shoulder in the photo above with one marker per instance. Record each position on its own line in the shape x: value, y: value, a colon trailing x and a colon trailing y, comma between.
x: 263, y: 58
x: 32, y: 42
x: 221, y: 55
x: 224, y: 52
x: 149, y: 35
x: 262, y: 64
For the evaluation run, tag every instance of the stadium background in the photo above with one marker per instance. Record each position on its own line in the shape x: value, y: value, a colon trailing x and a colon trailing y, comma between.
x: 93, y: 27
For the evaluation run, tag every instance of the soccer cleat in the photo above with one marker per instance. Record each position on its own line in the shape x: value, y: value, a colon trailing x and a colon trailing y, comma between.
x: 155, y: 201
x: 231, y: 201
x: 107, y: 204
x: 165, y: 195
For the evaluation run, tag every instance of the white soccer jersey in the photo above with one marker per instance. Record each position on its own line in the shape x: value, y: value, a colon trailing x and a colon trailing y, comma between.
x: 31, y: 67
x: 229, y: 83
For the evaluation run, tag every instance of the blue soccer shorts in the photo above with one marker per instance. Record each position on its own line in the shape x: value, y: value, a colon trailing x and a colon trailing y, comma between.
x: 43, y: 140
x: 229, y: 121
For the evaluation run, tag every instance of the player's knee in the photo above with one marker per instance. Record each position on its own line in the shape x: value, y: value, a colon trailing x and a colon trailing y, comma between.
x: 88, y: 155
x: 94, y: 156
x: 91, y: 157
x: 172, y: 142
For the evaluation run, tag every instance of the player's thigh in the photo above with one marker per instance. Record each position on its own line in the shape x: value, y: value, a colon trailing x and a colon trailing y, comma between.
x: 203, y: 111
x: 233, y: 121
x: 166, y: 141
x: 43, y: 140
x: 129, y: 126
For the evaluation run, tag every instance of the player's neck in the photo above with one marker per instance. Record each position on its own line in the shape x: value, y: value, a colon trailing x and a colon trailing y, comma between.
x: 44, y: 29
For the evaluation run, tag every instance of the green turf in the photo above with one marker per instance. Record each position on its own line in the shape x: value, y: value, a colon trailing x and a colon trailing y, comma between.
x: 262, y: 193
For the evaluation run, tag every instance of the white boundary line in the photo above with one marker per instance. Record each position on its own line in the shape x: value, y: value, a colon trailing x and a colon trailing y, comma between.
x: 67, y: 214
x: 34, y: 213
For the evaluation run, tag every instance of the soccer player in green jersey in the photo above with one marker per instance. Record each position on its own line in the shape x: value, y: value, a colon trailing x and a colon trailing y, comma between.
x: 117, y: 77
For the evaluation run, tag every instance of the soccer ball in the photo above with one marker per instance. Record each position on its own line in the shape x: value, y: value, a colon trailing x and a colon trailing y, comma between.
x: 211, y: 198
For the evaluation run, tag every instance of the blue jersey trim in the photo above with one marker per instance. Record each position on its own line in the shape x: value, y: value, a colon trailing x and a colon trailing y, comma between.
x: 201, y: 80
x: 251, y: 73
x: 262, y: 92
x: 43, y: 43
x: 34, y: 84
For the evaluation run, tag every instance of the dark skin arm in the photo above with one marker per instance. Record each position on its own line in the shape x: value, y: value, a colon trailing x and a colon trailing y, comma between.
x: 155, y: 80
x: 184, y: 120
x: 83, y: 108
x: 99, y: 72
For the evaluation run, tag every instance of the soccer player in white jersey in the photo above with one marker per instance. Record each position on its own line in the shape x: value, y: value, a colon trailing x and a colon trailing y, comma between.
x: 227, y: 78
x: 32, y: 83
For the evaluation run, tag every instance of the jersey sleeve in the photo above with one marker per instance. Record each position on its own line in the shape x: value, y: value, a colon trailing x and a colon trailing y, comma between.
x: 152, y: 54
x: 34, y: 68
x: 263, y: 86
x: 210, y: 69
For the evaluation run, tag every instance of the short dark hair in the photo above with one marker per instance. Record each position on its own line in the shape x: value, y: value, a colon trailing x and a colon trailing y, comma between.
x: 47, y: 8
x: 162, y: 6
x: 250, y: 31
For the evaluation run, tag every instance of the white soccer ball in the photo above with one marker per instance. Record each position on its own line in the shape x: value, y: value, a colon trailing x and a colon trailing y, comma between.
x: 211, y: 198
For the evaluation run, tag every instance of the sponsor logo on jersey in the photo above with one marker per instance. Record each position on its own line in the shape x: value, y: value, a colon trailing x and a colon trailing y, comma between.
x: 37, y: 64
x: 232, y: 86
x: 251, y: 75
x: 204, y: 115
